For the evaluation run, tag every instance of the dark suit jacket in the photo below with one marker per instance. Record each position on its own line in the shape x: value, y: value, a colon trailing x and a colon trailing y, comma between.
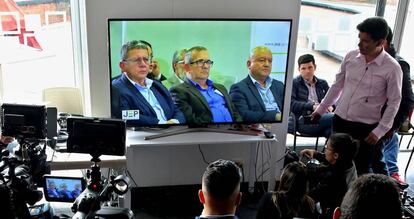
x: 195, y: 107
x: 125, y: 96
x: 299, y: 104
x: 249, y: 103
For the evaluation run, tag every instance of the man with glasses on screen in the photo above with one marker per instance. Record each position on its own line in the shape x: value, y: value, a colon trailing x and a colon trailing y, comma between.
x: 178, y: 76
x: 138, y: 99
x: 258, y: 97
x: 201, y: 100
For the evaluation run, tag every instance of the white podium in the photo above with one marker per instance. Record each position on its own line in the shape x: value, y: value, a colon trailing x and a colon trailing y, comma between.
x: 181, y: 159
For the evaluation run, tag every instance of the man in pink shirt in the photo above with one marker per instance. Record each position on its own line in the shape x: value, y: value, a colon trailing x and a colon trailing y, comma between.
x: 368, y: 79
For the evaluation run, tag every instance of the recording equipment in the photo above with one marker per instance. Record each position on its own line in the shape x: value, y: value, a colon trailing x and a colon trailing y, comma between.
x: 96, y: 136
x: 23, y: 121
x: 62, y: 188
x: 21, y: 169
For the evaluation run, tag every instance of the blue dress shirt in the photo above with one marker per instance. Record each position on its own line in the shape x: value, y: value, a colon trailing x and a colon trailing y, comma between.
x: 266, y: 94
x: 150, y: 98
x: 216, y: 102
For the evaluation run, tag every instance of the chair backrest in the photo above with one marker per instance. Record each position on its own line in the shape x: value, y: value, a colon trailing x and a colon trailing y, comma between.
x: 65, y: 99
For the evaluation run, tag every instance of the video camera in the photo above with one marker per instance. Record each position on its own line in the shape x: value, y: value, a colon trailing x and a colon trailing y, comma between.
x: 97, y: 137
x: 21, y: 168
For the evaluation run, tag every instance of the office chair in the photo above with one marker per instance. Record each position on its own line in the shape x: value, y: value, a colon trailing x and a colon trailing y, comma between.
x: 65, y: 99
x: 296, y: 133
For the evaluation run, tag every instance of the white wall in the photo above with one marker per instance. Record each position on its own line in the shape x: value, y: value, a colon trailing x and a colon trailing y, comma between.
x: 97, y: 12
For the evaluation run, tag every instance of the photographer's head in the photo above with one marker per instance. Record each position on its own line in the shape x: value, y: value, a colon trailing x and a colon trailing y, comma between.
x: 294, y: 181
x: 220, y: 193
x: 341, y: 149
x: 371, y: 196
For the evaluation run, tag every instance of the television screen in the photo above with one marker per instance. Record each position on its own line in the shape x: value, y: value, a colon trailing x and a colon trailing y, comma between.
x: 62, y: 188
x: 197, y: 72
x: 96, y: 136
x: 23, y: 121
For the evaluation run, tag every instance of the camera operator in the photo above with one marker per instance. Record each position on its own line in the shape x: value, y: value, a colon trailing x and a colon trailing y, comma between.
x: 4, y: 141
x: 330, y: 181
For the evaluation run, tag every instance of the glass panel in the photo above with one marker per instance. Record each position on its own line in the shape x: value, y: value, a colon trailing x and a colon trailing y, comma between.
x: 391, y: 12
x: 407, y: 44
x: 327, y: 30
x: 36, y: 48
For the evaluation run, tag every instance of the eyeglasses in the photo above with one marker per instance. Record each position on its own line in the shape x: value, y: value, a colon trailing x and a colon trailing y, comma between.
x: 326, y: 148
x: 201, y: 63
x: 136, y: 61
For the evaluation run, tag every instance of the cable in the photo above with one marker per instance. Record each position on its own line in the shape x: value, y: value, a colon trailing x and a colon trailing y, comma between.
x: 202, y: 154
x: 130, y: 176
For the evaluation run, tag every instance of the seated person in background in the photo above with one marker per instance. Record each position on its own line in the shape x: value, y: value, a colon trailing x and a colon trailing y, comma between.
x: 64, y: 192
x: 220, y: 193
x: 330, y: 181
x: 52, y: 191
x: 200, y: 99
x: 76, y: 191
x: 371, y: 196
x: 307, y: 92
x: 154, y: 70
x: 178, y: 76
x: 258, y: 97
x: 134, y: 91
x: 290, y: 200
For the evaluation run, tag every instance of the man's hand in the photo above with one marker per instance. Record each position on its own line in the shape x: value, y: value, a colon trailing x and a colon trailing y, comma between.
x: 371, y: 139
x: 330, y: 109
x: 310, y: 153
x: 389, y: 134
x: 155, y: 68
x: 171, y: 121
x: 315, y: 116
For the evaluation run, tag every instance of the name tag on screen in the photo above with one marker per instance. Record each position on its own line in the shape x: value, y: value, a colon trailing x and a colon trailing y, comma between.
x: 130, y: 114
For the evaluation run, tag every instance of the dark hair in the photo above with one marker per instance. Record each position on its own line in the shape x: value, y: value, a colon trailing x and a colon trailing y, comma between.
x: 372, y: 196
x: 149, y: 45
x: 345, y: 146
x: 306, y: 59
x: 376, y: 27
x: 389, y: 36
x: 221, y: 178
x: 294, y: 180
x: 291, y: 195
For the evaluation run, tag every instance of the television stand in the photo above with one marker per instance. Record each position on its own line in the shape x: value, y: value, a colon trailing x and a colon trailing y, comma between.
x: 203, y: 129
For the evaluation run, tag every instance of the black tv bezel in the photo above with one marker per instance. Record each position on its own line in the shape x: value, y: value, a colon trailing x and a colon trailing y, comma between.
x: 52, y: 199
x: 198, y: 19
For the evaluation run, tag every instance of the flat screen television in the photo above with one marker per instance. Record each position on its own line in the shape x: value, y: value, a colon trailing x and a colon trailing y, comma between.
x: 23, y: 121
x: 229, y: 43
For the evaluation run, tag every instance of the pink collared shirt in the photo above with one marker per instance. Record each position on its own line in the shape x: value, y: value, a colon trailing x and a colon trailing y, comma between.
x: 361, y: 89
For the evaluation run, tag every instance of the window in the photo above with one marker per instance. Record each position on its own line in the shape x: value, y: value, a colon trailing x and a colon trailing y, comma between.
x: 408, y: 33
x: 327, y: 30
x: 37, y: 49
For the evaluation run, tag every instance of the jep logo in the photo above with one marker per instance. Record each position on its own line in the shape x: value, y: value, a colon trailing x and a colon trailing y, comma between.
x: 130, y: 114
